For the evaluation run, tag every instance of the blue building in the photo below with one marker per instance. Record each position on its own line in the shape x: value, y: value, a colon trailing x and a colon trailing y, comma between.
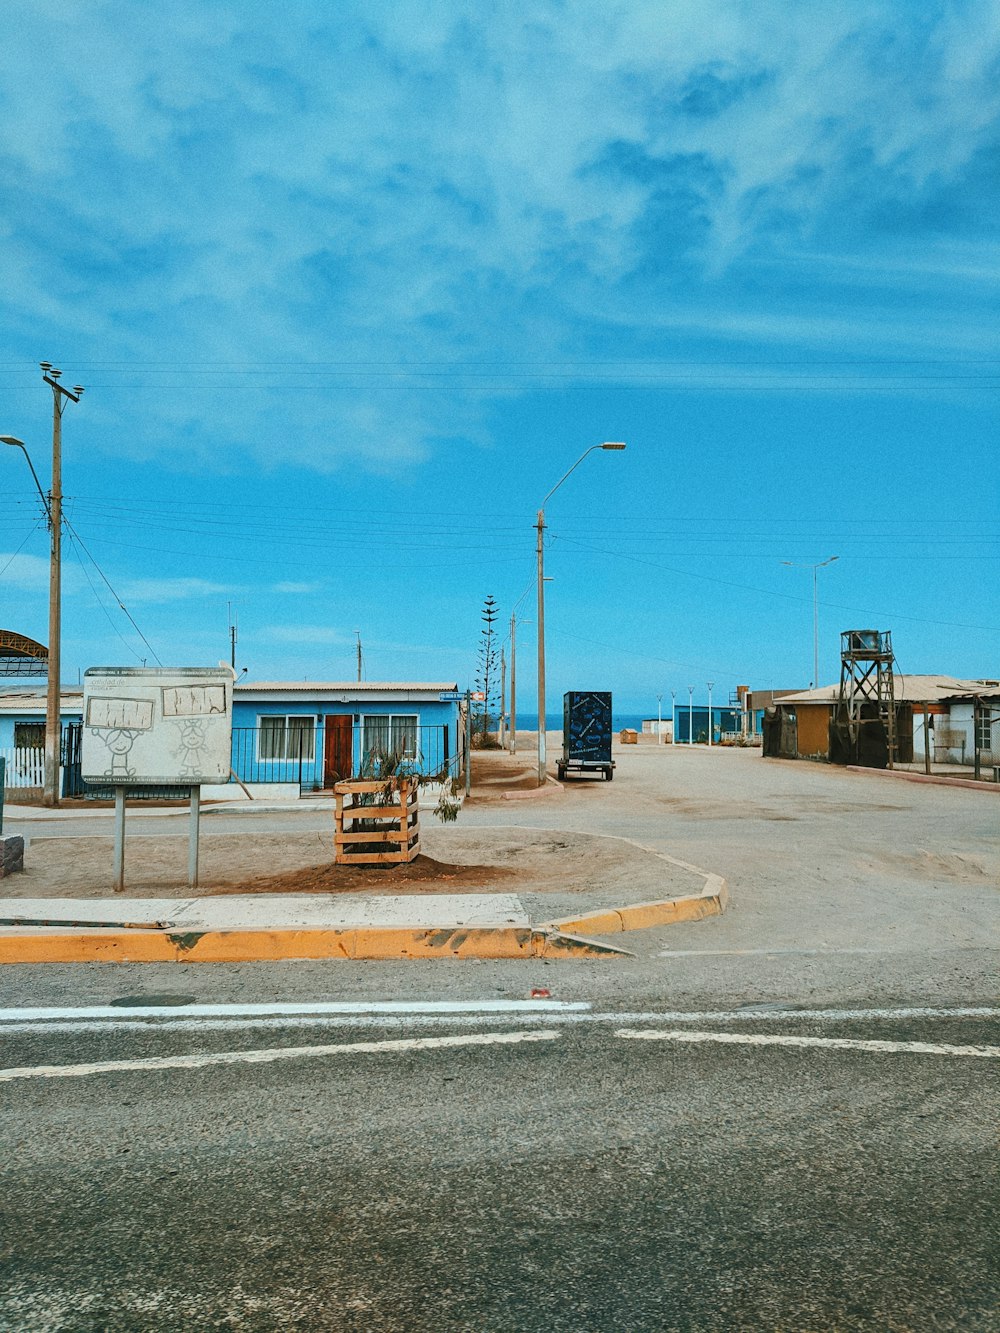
x: 315, y: 734
x: 693, y: 722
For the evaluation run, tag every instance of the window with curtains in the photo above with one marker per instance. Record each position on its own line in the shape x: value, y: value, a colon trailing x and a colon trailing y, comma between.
x: 288, y: 736
x: 387, y: 733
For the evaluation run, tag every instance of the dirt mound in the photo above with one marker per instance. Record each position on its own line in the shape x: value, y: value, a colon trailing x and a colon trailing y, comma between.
x: 421, y: 875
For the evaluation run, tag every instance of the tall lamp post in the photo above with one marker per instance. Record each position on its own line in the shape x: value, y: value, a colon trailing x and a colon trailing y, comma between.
x: 659, y: 719
x: 710, y: 683
x: 690, y: 715
x: 53, y: 511
x: 53, y: 735
x: 673, y: 717
x: 819, y: 565
x: 540, y: 526
x: 512, y: 730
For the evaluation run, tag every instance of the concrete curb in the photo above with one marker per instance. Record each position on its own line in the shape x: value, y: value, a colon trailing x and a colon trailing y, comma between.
x: 246, y: 946
x: 925, y: 778
x: 532, y: 795
x: 712, y: 901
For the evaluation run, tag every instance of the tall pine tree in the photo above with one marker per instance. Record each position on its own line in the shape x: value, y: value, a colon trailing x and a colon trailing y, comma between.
x: 488, y: 669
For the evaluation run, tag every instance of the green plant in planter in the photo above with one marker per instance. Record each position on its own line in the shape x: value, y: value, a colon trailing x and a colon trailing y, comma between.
x: 392, y: 765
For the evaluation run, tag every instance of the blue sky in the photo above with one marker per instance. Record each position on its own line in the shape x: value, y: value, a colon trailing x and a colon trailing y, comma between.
x: 351, y: 286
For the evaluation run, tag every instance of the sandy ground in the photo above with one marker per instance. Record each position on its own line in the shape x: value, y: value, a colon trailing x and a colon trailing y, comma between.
x: 453, y: 859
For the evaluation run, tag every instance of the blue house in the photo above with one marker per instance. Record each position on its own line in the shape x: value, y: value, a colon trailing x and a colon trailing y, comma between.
x: 315, y: 734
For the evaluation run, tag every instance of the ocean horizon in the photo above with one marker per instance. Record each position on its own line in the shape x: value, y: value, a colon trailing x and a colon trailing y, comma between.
x: 554, y: 721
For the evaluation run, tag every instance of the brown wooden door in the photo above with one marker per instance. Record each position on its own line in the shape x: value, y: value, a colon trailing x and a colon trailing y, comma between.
x: 338, y: 747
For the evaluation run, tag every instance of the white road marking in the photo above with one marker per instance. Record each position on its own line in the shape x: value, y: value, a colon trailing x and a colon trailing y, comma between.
x: 828, y: 1043
x: 293, y: 1007
x: 213, y: 1017
x: 767, y: 953
x: 204, y: 1059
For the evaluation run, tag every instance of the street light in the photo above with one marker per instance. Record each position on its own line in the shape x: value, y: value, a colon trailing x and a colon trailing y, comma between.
x: 53, y: 511
x: 19, y: 444
x: 512, y: 738
x: 819, y: 565
x: 540, y: 526
x: 690, y: 715
x: 673, y: 717
x: 53, y: 734
x: 710, y: 683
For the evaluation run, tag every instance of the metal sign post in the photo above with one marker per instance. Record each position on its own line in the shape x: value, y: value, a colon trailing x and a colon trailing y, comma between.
x: 157, y: 728
x: 193, y: 828
x: 119, y: 840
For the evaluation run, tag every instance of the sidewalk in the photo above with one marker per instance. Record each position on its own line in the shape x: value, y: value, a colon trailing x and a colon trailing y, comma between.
x: 272, y: 927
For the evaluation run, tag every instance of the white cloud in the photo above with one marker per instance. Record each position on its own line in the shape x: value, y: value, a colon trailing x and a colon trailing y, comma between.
x: 173, y: 589
x: 333, y: 194
x: 27, y: 573
x: 292, y: 589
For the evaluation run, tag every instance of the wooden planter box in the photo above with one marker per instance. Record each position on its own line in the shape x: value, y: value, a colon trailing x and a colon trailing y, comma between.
x: 395, y: 835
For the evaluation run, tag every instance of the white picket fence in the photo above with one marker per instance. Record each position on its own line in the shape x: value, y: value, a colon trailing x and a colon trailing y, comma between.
x: 25, y: 766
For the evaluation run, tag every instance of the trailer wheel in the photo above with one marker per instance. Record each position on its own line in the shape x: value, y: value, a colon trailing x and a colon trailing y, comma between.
x: 609, y: 774
x: 561, y: 770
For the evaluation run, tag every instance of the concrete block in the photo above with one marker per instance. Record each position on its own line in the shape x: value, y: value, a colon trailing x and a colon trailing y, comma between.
x: 11, y: 856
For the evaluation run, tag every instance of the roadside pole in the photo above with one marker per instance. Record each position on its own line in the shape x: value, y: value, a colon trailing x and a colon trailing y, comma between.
x: 119, y: 840
x: 193, y: 832
x: 468, y: 742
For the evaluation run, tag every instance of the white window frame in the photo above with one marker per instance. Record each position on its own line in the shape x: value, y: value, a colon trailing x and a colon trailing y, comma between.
x: 987, y: 720
x: 391, y: 718
x: 37, y: 725
x: 308, y: 757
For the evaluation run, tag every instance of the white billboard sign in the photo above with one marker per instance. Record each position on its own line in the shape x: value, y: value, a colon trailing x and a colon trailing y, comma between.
x: 169, y: 728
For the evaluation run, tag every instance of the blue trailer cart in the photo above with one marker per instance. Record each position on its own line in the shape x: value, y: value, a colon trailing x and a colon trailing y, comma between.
x: 587, y: 734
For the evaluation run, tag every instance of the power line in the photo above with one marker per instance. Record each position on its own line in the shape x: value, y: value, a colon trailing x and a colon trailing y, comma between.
x: 100, y: 603
x: 768, y: 592
x: 121, y: 604
x: 28, y: 538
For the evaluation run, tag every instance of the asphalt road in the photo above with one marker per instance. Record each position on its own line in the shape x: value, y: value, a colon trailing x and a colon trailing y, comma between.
x: 519, y: 1171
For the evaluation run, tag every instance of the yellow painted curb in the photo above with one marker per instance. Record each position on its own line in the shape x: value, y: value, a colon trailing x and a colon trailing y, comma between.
x: 712, y: 901
x: 245, y: 946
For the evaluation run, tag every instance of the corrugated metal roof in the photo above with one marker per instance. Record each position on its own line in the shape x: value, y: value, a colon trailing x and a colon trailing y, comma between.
x: 907, y: 689
x: 345, y: 686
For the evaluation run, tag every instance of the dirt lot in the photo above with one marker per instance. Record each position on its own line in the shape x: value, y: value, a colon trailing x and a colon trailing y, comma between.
x: 453, y: 859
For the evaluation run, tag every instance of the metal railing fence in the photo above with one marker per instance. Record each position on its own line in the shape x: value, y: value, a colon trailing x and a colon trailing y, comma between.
x: 302, y: 757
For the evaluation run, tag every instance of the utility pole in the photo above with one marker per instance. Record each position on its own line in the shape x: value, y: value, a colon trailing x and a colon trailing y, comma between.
x: 358, y: 634
x: 673, y: 717
x: 512, y: 731
x: 503, y: 693
x: 232, y: 636
x: 53, y: 719
x: 659, y: 719
x: 616, y: 446
x: 690, y: 715
x: 539, y: 555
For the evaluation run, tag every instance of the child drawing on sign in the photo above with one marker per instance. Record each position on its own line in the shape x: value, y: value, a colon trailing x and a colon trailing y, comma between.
x: 119, y: 741
x: 191, y: 747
